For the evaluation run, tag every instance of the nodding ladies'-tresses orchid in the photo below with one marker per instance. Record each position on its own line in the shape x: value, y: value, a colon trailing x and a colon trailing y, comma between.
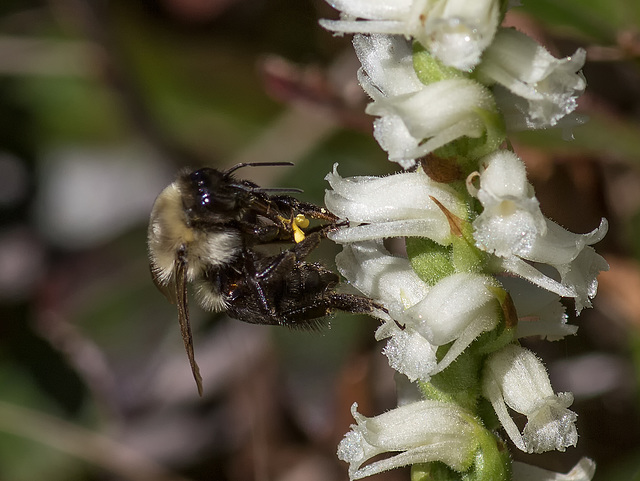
x: 483, y: 266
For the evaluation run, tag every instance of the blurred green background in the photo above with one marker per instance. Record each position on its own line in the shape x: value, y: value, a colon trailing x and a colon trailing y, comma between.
x: 102, y: 102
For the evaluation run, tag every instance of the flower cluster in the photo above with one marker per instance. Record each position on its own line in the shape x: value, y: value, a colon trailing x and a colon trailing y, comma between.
x: 484, y: 267
x: 496, y: 70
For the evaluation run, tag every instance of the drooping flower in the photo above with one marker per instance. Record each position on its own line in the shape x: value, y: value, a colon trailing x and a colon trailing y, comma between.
x: 512, y: 227
x: 454, y: 31
x: 549, y: 86
x: 455, y: 310
x: 397, y: 205
x: 370, y: 268
x: 418, y: 432
x: 515, y: 377
x: 414, y: 118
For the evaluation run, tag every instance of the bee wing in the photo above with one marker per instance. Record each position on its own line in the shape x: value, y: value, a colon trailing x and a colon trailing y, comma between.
x: 180, y: 296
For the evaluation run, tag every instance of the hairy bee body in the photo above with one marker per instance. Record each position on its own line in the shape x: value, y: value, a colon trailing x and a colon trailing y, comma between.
x: 206, y: 228
x: 172, y: 232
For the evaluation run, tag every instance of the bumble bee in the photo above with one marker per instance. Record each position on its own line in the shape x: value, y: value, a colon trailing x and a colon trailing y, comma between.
x: 205, y: 229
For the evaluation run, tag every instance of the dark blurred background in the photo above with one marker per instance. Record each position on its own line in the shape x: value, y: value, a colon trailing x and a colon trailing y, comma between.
x: 102, y: 102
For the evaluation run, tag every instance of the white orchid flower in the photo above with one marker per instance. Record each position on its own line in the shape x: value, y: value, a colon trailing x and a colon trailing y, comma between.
x: 515, y: 377
x: 550, y: 86
x: 415, y: 119
x: 418, y: 432
x: 397, y: 205
x: 513, y: 228
x: 454, y: 31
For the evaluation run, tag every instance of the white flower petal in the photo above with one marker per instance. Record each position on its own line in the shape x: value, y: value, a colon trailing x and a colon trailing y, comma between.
x: 409, y: 352
x: 421, y: 432
x: 451, y: 305
x: 557, y: 246
x: 517, y: 116
x: 370, y: 268
x: 550, y: 86
x: 434, y: 229
x: 373, y: 9
x: 515, y: 377
x: 375, y: 201
x: 551, y: 426
x: 458, y: 31
x: 540, y: 312
x: 416, y: 119
x: 457, y: 309
x: 438, y: 114
x: 393, y: 136
x: 454, y: 31
x: 391, y: 280
x: 512, y: 227
x: 582, y: 274
x: 387, y: 65
x: 584, y: 470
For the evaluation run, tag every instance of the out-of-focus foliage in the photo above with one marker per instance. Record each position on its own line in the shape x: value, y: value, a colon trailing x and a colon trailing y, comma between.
x: 102, y: 102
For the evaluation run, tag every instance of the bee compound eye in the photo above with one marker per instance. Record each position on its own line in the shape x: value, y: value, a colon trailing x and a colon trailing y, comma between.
x: 201, y: 182
x: 198, y: 177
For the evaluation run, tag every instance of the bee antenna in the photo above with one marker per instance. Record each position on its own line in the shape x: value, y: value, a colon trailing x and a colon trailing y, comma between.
x: 283, y: 190
x: 255, y: 164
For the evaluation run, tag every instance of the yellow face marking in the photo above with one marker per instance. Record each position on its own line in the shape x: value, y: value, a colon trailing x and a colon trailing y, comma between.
x: 299, y: 222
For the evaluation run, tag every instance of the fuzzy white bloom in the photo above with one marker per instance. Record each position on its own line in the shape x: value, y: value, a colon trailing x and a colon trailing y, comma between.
x: 397, y: 205
x: 515, y: 377
x: 456, y: 310
x: 408, y: 351
x: 584, y: 470
x: 419, y: 432
x: 371, y: 269
x: 416, y: 119
x: 540, y: 312
x: 550, y: 86
x: 513, y: 228
x: 391, y: 280
x: 454, y: 31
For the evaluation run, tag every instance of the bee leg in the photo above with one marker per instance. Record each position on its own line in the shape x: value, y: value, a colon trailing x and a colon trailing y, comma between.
x: 311, y: 314
x: 265, y: 276
x: 355, y: 304
x: 305, y: 247
x: 259, y: 277
x: 267, y: 233
x: 323, y: 230
x: 305, y: 208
